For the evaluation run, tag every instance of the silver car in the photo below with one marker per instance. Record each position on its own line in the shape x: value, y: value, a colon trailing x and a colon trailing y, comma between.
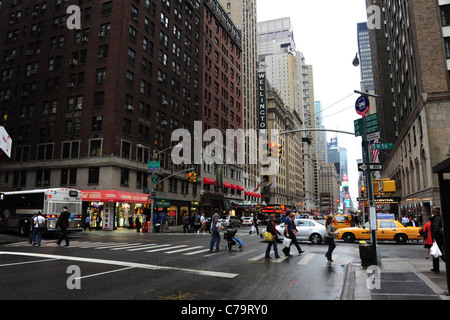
x: 308, y: 230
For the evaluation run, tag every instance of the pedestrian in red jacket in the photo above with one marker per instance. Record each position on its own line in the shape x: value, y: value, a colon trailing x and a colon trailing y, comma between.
x: 427, y: 239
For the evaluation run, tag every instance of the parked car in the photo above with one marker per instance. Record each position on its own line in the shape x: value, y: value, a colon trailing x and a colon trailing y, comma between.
x: 231, y: 221
x: 247, y: 221
x: 309, y: 230
x: 387, y: 230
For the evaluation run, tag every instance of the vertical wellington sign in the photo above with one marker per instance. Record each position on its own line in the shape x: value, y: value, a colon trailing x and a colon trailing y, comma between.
x: 262, y: 103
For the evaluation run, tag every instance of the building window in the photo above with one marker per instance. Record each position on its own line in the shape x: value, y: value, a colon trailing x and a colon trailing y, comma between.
x: 94, y: 175
x: 124, y: 174
x: 95, y: 148
x: 68, y: 176
x: 101, y: 75
x: 126, y: 149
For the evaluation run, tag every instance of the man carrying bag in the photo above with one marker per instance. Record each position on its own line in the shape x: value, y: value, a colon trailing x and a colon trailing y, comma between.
x: 62, y: 224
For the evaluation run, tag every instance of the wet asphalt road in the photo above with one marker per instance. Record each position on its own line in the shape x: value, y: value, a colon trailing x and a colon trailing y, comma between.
x: 129, y: 266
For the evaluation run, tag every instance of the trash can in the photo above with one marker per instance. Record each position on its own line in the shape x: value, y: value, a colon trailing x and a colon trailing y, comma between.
x: 156, y: 227
x: 366, y: 253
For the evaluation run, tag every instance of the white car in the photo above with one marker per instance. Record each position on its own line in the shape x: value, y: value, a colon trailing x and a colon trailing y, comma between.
x: 247, y: 221
x: 308, y: 230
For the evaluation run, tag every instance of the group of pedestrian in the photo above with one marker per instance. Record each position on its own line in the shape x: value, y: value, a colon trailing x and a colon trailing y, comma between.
x: 38, y: 225
x: 410, y: 221
x: 196, y: 223
x: 290, y: 233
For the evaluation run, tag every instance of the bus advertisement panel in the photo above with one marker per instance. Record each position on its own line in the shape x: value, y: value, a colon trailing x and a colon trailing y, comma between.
x: 17, y: 208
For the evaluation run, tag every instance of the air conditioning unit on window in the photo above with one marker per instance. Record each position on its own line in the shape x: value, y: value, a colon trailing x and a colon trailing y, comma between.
x: 73, y: 62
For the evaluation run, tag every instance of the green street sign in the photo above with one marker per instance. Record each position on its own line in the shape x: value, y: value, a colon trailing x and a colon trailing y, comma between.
x: 371, y: 125
x: 383, y: 146
x: 154, y: 179
x: 153, y: 166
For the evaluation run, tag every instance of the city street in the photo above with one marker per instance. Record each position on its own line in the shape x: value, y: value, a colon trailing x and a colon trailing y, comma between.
x: 175, y: 266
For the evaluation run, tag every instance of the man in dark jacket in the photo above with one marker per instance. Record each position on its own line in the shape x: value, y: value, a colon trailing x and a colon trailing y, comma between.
x: 62, y: 224
x: 437, y: 235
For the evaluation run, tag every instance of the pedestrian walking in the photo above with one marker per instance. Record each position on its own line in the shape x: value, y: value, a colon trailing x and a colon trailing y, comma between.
x: 271, y: 228
x: 330, y: 234
x: 254, y: 226
x: 203, y: 223
x: 291, y: 232
x: 215, y: 235
x: 87, y: 222
x: 405, y: 220
x: 38, y: 222
x: 138, y: 223
x: 186, y: 223
x: 427, y: 239
x: 62, y: 224
x: 32, y: 236
x: 437, y: 235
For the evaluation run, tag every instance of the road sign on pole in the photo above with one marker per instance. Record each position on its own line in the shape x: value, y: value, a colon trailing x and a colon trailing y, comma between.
x: 362, y: 106
x: 382, y: 146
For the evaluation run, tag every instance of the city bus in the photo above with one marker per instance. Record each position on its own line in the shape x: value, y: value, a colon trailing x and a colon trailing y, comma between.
x: 17, y: 208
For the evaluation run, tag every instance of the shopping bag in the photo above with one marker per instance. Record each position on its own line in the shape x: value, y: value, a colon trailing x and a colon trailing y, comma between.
x: 287, y: 242
x: 268, y: 236
x: 252, y: 229
x: 434, y: 251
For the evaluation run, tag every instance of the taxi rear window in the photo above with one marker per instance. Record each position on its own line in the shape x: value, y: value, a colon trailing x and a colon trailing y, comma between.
x: 341, y: 218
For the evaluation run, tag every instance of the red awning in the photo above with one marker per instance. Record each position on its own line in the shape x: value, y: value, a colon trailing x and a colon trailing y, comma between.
x: 233, y: 186
x: 227, y: 185
x: 208, y: 181
x: 114, y: 196
x: 241, y: 188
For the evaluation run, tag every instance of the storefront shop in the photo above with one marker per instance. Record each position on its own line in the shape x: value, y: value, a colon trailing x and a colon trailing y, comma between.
x: 111, y: 209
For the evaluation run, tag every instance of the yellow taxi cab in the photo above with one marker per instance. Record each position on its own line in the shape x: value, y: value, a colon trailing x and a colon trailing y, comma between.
x: 387, y: 230
x: 342, y: 221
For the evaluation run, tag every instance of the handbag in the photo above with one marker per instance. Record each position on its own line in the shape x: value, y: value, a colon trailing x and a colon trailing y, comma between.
x: 434, y: 251
x: 287, y: 242
x: 268, y: 236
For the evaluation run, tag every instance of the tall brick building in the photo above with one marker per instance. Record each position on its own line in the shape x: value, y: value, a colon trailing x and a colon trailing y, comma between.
x: 411, y: 62
x: 87, y: 108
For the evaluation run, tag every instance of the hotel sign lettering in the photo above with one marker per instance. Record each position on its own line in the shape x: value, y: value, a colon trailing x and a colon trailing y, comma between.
x: 262, y: 103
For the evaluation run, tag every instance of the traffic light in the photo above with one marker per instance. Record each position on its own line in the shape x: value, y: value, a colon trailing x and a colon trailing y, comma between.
x: 280, y: 150
x: 363, y: 192
x: 190, y: 176
x: 194, y: 177
x: 273, y: 150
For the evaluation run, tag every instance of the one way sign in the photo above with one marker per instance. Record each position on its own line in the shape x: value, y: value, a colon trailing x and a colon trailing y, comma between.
x: 373, y: 167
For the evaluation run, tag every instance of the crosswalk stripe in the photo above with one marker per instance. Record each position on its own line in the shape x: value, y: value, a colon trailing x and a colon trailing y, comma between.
x: 143, y: 247
x: 185, y: 249
x: 114, y: 246
x: 165, y: 245
x: 257, y: 257
x: 128, y: 247
x: 307, y: 258
x: 195, y: 252
x: 280, y: 259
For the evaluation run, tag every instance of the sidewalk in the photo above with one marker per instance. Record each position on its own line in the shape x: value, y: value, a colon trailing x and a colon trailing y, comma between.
x: 403, y: 279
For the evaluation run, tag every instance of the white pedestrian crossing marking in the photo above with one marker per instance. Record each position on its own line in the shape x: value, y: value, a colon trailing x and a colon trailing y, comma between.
x: 307, y: 259
x: 143, y: 247
x: 185, y: 249
x: 166, y: 245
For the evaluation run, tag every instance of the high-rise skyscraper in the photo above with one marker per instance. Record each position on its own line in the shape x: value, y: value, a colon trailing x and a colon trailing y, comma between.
x: 411, y: 75
x: 365, y: 58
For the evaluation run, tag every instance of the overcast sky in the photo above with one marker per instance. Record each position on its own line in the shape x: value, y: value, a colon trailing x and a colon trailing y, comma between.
x: 325, y: 31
